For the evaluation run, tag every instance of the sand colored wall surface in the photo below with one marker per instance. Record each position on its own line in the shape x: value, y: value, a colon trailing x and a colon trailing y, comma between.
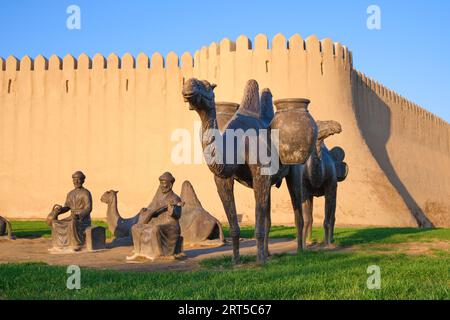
x: 114, y: 119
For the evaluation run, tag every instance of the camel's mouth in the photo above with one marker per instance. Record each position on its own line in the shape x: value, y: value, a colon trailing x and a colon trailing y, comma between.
x: 191, y: 94
x: 188, y: 94
x: 192, y: 98
x: 195, y: 91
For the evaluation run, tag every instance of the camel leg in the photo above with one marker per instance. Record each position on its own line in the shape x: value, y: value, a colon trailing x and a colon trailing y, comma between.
x: 225, y: 188
x: 330, y: 212
x: 294, y: 184
x: 268, y: 224
x: 307, y: 210
x: 261, y: 188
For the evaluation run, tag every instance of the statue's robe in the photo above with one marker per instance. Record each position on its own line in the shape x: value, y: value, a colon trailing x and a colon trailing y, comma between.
x: 70, y: 232
x: 158, y: 236
x: 80, y: 203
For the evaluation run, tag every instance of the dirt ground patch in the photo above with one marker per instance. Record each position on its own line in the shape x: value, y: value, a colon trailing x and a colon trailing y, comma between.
x: 36, y: 250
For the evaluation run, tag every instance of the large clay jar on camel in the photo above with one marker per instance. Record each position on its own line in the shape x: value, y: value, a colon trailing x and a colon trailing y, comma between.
x: 224, y: 112
x: 297, y: 130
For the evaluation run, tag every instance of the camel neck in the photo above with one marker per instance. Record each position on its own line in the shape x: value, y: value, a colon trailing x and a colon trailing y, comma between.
x: 114, y: 207
x: 209, y: 120
x: 209, y: 136
x: 209, y: 127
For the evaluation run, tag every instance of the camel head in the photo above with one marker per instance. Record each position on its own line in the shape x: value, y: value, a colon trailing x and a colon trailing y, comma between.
x: 199, y: 94
x: 108, y: 196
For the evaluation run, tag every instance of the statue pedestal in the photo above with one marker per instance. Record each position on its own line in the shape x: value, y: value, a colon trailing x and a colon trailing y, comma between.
x: 95, y: 238
x: 7, y: 238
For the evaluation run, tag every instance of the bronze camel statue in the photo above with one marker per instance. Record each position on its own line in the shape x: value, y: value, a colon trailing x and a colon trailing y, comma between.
x: 321, y: 174
x: 120, y: 227
x: 253, y: 114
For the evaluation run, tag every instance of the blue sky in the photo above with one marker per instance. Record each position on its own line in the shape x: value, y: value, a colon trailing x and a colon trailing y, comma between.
x: 410, y: 54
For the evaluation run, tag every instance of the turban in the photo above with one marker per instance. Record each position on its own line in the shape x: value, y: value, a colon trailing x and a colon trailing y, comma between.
x: 167, y: 176
x: 79, y: 174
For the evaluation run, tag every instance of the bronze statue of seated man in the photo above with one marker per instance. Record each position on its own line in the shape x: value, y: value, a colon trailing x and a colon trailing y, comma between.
x: 157, y: 233
x: 69, y: 234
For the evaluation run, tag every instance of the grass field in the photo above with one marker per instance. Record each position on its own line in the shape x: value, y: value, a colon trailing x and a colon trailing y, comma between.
x: 309, y: 275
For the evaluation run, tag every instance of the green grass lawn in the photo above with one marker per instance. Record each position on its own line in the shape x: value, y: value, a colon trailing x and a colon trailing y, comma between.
x: 343, y: 236
x: 309, y: 275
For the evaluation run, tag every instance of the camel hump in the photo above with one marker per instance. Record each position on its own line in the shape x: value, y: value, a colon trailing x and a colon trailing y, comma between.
x: 250, y: 105
x: 338, y: 155
x: 267, y: 111
x: 188, y: 195
x: 327, y: 129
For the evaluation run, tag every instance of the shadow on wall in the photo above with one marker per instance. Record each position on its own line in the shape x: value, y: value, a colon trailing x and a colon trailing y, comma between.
x: 374, y: 121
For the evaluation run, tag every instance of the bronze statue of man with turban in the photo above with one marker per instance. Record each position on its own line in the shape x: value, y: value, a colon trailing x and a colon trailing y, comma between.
x: 157, y: 233
x: 69, y: 233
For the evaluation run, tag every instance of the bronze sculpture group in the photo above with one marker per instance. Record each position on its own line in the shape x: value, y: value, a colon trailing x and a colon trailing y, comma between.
x: 298, y: 139
x: 169, y: 221
x: 157, y: 231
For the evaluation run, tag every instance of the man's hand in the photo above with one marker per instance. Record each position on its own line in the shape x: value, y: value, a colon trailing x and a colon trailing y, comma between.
x: 174, y: 209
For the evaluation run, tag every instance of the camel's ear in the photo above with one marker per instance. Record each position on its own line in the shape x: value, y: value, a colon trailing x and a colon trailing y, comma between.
x: 213, y: 86
x: 116, y: 192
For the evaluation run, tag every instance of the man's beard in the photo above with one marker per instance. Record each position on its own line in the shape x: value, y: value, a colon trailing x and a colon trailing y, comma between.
x: 165, y: 189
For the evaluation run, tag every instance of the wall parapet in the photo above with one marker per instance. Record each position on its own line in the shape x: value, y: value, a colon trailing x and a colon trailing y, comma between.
x: 279, y: 43
x: 242, y: 43
x: 389, y: 95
